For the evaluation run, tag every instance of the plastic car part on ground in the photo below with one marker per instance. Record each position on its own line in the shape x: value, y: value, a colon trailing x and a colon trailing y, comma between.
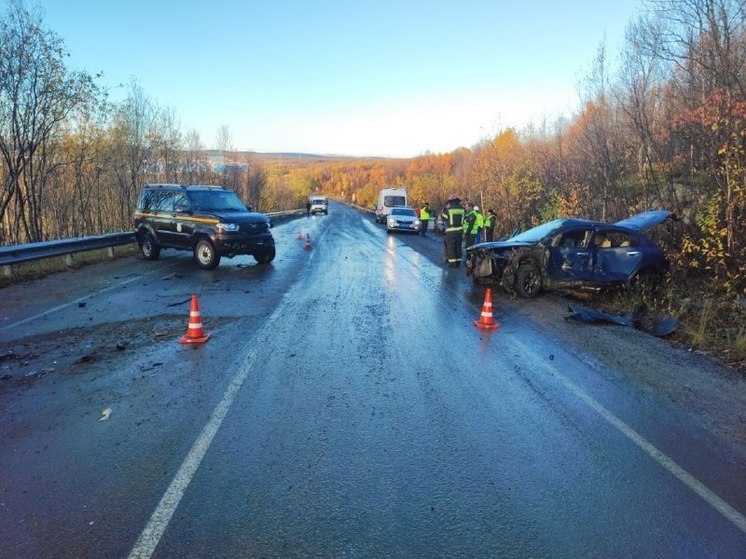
x: 658, y: 327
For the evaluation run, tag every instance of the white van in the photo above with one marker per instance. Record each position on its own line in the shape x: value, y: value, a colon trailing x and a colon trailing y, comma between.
x: 318, y: 204
x: 387, y: 199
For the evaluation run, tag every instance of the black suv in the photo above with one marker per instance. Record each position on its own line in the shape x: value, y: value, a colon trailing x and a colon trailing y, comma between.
x: 211, y: 221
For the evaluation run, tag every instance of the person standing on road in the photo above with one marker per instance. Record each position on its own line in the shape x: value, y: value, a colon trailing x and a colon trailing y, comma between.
x: 453, y: 218
x: 308, y: 208
x: 471, y: 226
x: 424, y: 219
x: 479, y: 224
x: 489, y: 226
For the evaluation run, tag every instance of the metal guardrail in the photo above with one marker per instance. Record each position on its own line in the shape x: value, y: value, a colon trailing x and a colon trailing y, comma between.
x: 17, y: 254
x: 36, y: 251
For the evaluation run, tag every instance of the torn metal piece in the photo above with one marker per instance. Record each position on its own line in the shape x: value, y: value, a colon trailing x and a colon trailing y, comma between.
x: 585, y: 314
x: 658, y: 327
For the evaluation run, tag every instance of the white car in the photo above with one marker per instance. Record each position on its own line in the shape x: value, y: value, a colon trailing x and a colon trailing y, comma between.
x: 402, y: 218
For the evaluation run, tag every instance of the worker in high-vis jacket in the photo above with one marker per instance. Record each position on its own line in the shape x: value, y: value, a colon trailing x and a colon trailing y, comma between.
x: 424, y: 218
x: 453, y: 220
x: 489, y: 225
x: 472, y: 223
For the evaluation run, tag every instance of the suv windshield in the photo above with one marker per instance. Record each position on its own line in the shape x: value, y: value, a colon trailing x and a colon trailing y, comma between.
x: 402, y: 211
x: 215, y: 201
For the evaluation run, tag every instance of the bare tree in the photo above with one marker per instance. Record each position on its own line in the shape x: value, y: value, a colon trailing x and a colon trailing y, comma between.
x: 702, y: 35
x: 37, y: 93
x: 224, y: 145
x: 597, y: 139
x: 195, y: 155
x: 131, y: 145
x: 167, y: 142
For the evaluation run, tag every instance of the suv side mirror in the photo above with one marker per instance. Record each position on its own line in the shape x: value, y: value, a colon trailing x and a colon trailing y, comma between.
x: 181, y: 209
x: 250, y: 207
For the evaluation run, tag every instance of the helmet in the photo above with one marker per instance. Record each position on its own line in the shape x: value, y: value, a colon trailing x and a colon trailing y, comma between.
x: 452, y: 198
x: 476, y: 208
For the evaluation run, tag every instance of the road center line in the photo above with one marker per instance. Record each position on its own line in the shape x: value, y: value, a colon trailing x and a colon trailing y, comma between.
x: 81, y: 299
x: 646, y: 446
x: 156, y: 527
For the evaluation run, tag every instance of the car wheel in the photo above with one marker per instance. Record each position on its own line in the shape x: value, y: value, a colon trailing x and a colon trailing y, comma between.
x: 205, y: 255
x: 265, y: 257
x: 528, y: 280
x: 149, y: 247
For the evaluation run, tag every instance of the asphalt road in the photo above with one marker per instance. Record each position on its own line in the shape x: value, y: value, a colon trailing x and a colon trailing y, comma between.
x: 345, y: 406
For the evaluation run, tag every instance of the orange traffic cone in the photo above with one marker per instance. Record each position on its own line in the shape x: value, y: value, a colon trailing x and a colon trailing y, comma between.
x: 307, y: 246
x: 299, y: 236
x: 195, y: 334
x: 485, y: 321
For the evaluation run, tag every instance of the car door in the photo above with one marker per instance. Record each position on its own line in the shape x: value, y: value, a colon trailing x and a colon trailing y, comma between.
x: 183, y: 222
x: 616, y: 256
x: 569, y: 258
x: 163, y: 217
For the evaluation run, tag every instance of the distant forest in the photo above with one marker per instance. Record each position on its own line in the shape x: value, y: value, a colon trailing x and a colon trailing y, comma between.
x: 665, y: 129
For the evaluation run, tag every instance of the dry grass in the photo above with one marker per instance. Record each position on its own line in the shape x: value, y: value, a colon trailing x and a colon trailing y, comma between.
x: 709, y: 322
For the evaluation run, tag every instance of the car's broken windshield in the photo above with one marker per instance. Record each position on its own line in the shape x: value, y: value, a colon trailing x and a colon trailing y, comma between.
x: 536, y: 234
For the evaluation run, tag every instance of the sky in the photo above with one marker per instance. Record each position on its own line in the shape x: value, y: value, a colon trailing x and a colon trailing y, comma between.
x: 387, y: 78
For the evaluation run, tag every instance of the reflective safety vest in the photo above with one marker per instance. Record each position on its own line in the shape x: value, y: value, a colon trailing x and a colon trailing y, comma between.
x: 424, y: 214
x: 489, y: 221
x: 473, y: 222
x: 454, y: 218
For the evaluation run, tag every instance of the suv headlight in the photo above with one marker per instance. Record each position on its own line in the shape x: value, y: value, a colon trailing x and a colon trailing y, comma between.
x: 416, y: 222
x: 228, y: 226
x: 391, y: 221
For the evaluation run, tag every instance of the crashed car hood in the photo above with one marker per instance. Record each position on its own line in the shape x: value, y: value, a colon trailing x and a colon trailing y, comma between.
x: 646, y: 220
x: 499, y: 245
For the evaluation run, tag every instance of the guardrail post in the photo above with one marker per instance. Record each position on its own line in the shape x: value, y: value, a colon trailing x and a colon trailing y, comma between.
x: 110, y: 253
x: 69, y: 260
x: 8, y: 271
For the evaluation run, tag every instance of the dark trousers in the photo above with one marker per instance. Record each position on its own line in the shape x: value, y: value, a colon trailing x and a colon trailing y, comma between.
x: 489, y: 235
x: 469, y: 240
x: 452, y: 243
x: 423, y: 226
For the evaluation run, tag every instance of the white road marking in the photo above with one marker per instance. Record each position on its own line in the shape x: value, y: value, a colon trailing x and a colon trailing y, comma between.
x: 646, y: 446
x: 151, y: 535
x: 156, y: 527
x: 81, y: 299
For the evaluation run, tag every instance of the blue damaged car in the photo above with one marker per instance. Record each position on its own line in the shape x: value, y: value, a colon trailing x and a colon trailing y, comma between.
x: 572, y: 253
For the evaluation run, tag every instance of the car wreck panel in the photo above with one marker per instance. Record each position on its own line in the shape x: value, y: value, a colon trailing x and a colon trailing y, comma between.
x: 567, y: 253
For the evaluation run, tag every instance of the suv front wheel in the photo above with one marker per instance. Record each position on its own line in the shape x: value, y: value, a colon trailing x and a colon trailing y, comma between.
x: 205, y: 255
x: 149, y: 247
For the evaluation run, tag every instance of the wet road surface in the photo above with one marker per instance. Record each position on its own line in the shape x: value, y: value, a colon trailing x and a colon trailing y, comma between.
x: 346, y: 406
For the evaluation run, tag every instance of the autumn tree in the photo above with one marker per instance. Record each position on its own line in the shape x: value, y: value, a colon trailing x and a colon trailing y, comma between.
x: 37, y: 94
x: 130, y: 142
